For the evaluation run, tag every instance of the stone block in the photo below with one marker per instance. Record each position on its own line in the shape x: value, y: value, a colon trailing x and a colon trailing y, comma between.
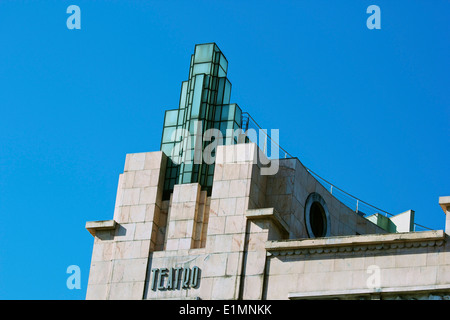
x: 224, y: 288
x: 129, y: 270
x: 131, y: 196
x: 253, y: 286
x: 154, y: 160
x: 100, y: 272
x: 131, y: 249
x: 102, y: 251
x: 216, y: 225
x: 239, y: 188
x: 143, y: 231
x: 97, y: 292
x: 137, y: 213
x: 227, y: 207
x: 215, y: 265
x: 148, y: 195
x: 220, y: 189
x: 134, y: 161
x: 235, y: 224
x: 142, y: 178
x: 126, y: 291
x: 125, y: 232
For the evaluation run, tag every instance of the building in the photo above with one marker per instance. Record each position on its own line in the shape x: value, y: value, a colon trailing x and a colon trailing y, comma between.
x: 224, y: 225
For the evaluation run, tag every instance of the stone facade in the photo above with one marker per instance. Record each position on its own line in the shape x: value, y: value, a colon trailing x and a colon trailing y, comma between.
x: 251, y: 239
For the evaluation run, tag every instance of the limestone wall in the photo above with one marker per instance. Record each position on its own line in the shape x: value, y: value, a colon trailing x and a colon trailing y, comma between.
x: 374, y: 266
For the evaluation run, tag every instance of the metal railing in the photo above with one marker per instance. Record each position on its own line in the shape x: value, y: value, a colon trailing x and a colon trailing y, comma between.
x: 359, y: 206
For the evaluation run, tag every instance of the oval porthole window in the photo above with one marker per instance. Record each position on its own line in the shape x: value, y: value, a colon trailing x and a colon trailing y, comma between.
x: 316, y: 216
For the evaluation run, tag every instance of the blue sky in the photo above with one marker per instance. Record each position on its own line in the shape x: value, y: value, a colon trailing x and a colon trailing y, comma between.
x: 367, y: 109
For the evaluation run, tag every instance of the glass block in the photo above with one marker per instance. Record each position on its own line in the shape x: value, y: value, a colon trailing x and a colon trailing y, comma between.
x: 169, y: 134
x: 203, y: 52
x: 223, y: 128
x: 209, y: 181
x: 203, y: 110
x: 227, y: 92
x: 200, y: 68
x: 238, y: 115
x: 198, y: 90
x: 167, y: 148
x: 187, y: 177
x: 196, y: 168
x: 188, y: 167
x: 223, y: 63
x: 220, y: 90
x: 205, y: 95
x: 183, y: 94
x: 225, y: 111
x: 217, y: 110
x: 231, y: 111
x: 181, y: 117
x: 170, y: 118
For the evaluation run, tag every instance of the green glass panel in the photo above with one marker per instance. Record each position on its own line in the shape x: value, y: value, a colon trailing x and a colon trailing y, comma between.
x: 203, y: 52
x: 221, y: 85
x: 169, y: 134
x: 206, y: 81
x: 203, y: 110
x: 205, y: 95
x: 198, y: 90
x: 167, y: 149
x: 181, y: 117
x: 223, y: 128
x: 187, y: 177
x: 227, y: 92
x: 188, y: 167
x: 223, y: 63
x: 215, y: 69
x: 170, y: 118
x: 217, y: 110
x: 183, y: 94
x: 238, y: 115
x: 225, y: 111
x: 202, y: 68
x: 231, y: 112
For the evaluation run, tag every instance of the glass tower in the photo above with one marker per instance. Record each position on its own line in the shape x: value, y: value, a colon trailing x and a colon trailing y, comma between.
x: 204, y: 104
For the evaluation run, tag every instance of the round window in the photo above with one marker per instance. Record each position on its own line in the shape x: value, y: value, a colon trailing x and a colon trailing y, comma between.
x: 316, y: 216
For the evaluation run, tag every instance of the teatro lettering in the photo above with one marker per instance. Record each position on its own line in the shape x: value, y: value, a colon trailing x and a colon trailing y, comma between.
x: 175, y: 278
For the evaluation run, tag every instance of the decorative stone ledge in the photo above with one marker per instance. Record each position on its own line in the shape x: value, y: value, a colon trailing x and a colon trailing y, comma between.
x: 93, y: 226
x: 356, y: 243
x: 349, y: 294
x: 444, y: 202
x: 268, y: 214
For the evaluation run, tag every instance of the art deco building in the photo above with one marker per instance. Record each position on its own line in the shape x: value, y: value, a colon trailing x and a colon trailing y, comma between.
x: 186, y: 227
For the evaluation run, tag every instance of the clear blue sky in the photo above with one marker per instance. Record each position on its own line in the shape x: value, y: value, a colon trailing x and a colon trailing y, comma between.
x: 367, y: 109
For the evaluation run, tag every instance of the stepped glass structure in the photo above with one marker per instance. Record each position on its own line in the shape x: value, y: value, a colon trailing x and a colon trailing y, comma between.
x: 204, y: 104
x: 190, y: 226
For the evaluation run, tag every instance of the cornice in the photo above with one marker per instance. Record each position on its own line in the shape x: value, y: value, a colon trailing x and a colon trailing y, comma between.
x: 356, y: 243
